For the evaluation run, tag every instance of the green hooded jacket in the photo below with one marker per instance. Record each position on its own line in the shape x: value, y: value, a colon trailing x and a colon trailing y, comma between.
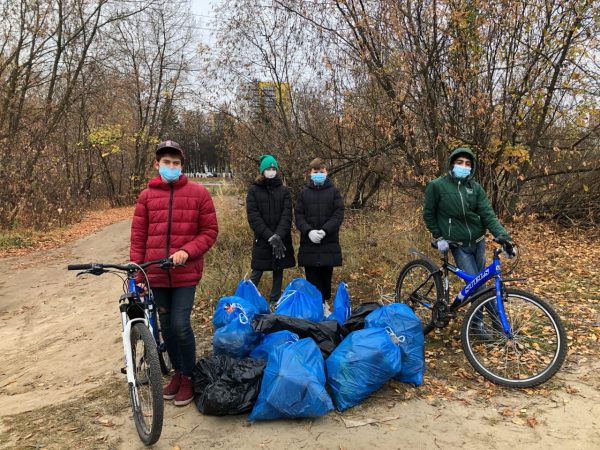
x: 458, y: 209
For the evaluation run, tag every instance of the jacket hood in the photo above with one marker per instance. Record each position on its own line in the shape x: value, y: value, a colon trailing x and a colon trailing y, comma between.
x: 158, y: 183
x: 464, y: 151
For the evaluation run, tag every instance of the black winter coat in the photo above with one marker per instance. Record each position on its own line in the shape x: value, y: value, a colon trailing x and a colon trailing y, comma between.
x: 320, y: 208
x: 269, y: 209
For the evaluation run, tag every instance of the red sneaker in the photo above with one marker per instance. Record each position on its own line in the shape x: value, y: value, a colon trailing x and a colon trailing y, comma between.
x: 171, y: 389
x: 186, y: 392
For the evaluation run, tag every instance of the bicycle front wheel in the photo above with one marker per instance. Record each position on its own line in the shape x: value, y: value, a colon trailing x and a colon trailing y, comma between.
x: 146, y: 397
x: 419, y: 286
x: 533, y: 354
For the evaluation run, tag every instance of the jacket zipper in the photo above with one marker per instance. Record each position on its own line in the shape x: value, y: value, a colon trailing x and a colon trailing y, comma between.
x: 320, y: 222
x: 464, y: 213
x: 449, y: 227
x: 169, y: 229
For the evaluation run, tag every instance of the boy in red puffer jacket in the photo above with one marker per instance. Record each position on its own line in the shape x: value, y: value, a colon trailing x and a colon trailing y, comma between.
x: 174, y: 218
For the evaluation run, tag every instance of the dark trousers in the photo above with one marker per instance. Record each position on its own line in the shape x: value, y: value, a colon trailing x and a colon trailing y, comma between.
x: 321, y: 278
x: 256, y: 275
x: 175, y: 309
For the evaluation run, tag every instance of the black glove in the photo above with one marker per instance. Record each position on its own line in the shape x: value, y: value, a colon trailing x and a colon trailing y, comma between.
x: 507, y: 245
x: 277, y: 245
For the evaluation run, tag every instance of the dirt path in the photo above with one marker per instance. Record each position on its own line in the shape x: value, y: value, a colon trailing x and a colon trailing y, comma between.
x: 59, y: 341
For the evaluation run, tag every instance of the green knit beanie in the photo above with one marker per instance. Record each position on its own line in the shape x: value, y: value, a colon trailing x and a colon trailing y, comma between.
x: 267, y: 161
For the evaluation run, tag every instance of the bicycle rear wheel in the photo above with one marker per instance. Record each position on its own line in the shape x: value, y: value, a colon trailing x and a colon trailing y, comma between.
x: 419, y: 285
x: 536, y: 350
x: 147, y: 397
x: 165, y: 362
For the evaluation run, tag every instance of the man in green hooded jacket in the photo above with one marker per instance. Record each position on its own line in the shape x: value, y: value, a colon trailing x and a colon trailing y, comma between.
x: 458, y: 212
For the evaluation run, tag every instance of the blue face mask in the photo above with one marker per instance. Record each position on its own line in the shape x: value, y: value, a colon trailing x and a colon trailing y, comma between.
x: 170, y: 174
x: 461, y: 171
x: 318, y: 178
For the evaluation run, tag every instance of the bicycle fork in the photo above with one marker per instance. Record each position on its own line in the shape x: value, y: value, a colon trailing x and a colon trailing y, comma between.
x: 129, y: 364
x: 500, y: 291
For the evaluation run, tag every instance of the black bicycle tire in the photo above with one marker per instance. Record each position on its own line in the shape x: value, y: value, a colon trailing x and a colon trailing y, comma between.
x: 536, y: 380
x: 165, y: 362
x: 437, y: 280
x: 151, y: 436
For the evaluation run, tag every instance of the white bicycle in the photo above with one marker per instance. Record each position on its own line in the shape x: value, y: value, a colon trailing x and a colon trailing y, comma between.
x: 142, y: 344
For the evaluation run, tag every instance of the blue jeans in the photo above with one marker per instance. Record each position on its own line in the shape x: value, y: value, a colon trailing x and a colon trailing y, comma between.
x: 175, y: 309
x: 472, y: 260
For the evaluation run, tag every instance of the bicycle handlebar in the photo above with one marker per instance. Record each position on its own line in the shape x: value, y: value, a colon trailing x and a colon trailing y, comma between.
x: 507, y: 246
x: 131, y: 267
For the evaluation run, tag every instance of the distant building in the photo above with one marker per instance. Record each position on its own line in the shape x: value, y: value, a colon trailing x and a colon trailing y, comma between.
x: 264, y: 97
x: 217, y: 122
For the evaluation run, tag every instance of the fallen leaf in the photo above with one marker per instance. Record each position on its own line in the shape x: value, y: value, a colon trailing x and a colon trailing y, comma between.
x: 532, y: 422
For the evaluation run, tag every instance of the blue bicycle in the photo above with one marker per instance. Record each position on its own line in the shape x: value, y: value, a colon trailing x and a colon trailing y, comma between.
x: 145, y: 353
x: 509, y: 336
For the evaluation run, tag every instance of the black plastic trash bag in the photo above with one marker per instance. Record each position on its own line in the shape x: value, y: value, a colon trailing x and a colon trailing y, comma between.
x: 327, y: 334
x: 357, y: 318
x: 224, y: 385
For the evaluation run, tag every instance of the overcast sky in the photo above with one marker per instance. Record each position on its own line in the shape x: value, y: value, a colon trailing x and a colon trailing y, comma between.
x: 202, y: 9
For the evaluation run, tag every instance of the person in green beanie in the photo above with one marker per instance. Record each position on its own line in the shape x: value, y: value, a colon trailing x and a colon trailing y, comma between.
x: 269, y: 210
x: 457, y: 212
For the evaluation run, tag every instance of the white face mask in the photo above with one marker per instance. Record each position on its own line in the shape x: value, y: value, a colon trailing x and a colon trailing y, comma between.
x: 270, y: 173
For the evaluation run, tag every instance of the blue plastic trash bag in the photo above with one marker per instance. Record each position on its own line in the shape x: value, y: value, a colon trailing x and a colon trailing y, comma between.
x: 248, y: 291
x: 236, y: 339
x: 407, y: 326
x: 306, y: 287
x: 302, y: 303
x: 293, y: 384
x: 361, y: 364
x: 271, y: 342
x: 341, y: 305
x: 229, y: 308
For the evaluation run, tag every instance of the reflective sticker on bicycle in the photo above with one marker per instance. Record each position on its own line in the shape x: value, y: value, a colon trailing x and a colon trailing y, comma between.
x: 476, y: 280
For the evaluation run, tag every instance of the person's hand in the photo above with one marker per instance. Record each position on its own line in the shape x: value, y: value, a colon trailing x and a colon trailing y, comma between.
x: 321, y: 234
x: 278, y: 246
x: 507, y: 245
x: 143, y: 287
x: 315, y: 236
x: 510, y: 249
x: 279, y: 251
x: 442, y: 245
x: 179, y: 257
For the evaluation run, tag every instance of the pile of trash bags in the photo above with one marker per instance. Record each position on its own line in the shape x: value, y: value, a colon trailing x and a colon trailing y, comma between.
x: 295, y: 362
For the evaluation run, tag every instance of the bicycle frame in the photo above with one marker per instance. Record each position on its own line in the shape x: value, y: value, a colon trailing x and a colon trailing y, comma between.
x: 126, y: 324
x: 474, y: 282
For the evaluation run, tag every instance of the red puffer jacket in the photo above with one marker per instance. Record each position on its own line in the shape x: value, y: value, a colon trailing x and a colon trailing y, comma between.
x: 170, y: 217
